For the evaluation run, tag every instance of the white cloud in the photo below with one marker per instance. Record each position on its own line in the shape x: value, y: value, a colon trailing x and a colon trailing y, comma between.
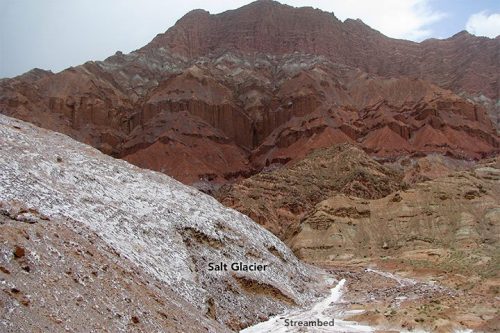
x: 484, y: 24
x: 408, y: 19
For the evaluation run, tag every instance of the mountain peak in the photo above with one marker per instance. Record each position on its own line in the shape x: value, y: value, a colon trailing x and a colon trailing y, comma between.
x: 266, y: 3
x: 462, y: 34
x: 196, y: 12
x: 263, y: 26
x: 192, y: 16
x: 260, y: 69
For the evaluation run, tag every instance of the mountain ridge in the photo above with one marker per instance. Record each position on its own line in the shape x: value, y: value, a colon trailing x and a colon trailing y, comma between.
x: 247, y: 94
x: 313, y: 40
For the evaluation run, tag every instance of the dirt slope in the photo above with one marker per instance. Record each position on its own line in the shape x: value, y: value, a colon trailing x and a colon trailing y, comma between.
x: 279, y: 199
x: 166, y: 232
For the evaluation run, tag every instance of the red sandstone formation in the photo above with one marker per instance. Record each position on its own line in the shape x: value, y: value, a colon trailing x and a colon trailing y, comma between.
x: 217, y: 97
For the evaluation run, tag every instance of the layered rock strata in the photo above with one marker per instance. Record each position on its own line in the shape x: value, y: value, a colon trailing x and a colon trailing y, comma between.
x: 218, y: 97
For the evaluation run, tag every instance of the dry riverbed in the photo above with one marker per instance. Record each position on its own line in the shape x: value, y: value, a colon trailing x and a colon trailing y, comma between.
x: 395, y: 296
x: 391, y: 295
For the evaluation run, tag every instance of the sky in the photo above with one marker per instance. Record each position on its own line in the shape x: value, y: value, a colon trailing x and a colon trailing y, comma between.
x: 56, y: 34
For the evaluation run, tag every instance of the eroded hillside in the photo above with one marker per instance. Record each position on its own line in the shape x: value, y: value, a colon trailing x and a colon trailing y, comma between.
x: 279, y: 199
x: 158, y: 233
x: 216, y: 98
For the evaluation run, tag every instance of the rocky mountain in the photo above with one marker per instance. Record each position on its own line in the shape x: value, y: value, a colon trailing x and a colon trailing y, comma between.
x: 417, y: 237
x: 439, y: 239
x: 374, y: 159
x: 457, y: 212
x: 218, y: 97
x: 88, y: 241
x: 280, y: 199
x: 462, y: 63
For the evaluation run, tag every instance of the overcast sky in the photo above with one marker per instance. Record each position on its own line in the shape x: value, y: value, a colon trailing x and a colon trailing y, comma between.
x: 56, y: 34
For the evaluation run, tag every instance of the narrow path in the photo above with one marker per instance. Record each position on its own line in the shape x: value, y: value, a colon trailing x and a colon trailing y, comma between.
x: 325, y: 310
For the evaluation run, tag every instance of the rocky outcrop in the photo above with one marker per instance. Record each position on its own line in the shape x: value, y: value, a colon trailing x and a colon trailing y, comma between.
x: 459, y: 212
x: 154, y: 234
x: 432, y: 166
x: 279, y: 199
x: 59, y: 275
x: 462, y: 63
x: 218, y: 97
